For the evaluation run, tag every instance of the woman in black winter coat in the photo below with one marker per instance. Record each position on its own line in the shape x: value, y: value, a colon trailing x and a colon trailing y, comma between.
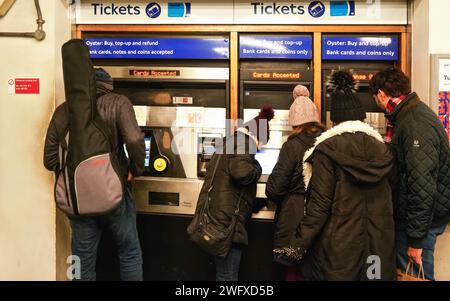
x: 285, y: 186
x: 347, y: 232
x: 235, y: 183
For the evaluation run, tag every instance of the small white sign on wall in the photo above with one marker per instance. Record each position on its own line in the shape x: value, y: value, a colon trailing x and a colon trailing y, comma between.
x: 444, y: 75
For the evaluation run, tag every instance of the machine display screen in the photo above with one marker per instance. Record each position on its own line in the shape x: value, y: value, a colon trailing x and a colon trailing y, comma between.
x: 267, y: 158
x: 148, y: 142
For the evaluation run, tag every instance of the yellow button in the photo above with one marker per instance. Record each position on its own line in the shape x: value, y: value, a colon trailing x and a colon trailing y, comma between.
x: 160, y: 164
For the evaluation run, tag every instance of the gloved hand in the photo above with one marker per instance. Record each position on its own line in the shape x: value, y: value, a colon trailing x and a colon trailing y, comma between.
x: 288, y: 256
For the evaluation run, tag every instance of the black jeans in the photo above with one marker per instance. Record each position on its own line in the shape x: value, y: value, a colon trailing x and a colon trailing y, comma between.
x: 86, y: 234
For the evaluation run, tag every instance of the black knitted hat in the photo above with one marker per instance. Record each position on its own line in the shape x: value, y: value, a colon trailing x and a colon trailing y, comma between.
x: 345, y: 103
x: 102, y: 76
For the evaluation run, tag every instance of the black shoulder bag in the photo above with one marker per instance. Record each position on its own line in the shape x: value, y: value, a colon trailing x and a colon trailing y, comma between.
x: 207, y: 232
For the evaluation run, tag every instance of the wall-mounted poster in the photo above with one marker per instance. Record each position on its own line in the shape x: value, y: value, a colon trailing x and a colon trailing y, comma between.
x: 440, y: 88
x: 444, y: 110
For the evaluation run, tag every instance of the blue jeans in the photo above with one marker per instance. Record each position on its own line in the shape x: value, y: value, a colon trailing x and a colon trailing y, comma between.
x: 86, y: 234
x: 427, y: 253
x: 227, y: 269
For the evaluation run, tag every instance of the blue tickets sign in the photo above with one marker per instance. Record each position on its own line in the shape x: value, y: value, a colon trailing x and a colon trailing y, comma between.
x: 275, y: 47
x: 158, y: 48
x: 360, y: 48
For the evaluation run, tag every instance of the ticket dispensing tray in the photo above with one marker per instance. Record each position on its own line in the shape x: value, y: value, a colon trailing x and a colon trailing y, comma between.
x: 175, y: 196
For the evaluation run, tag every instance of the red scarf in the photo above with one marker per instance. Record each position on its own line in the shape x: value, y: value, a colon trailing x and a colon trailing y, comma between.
x: 392, y: 104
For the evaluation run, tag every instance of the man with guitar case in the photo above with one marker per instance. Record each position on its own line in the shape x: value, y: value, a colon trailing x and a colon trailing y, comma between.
x: 84, y: 147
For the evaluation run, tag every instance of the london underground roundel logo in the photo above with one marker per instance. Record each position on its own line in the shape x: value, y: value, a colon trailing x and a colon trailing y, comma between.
x: 316, y: 9
x: 153, y: 10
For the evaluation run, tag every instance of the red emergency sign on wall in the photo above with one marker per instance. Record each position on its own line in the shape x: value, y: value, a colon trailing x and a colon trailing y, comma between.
x: 26, y: 86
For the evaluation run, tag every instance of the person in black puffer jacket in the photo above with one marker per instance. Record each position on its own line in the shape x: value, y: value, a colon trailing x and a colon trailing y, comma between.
x: 348, y: 230
x: 421, y: 183
x: 285, y: 186
x: 235, y: 180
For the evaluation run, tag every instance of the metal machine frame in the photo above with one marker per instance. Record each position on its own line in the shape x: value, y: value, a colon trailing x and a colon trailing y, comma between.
x: 187, y: 189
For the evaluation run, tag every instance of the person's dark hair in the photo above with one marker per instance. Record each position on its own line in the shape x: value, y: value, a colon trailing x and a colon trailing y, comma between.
x: 311, y: 128
x: 391, y: 81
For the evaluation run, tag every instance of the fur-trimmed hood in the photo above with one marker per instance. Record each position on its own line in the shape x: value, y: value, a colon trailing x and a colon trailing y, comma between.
x: 364, y: 156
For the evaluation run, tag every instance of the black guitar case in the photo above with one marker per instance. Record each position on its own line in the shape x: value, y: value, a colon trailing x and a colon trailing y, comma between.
x: 89, y: 181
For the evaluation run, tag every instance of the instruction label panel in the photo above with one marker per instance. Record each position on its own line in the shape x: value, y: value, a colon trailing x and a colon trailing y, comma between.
x: 275, y: 47
x: 158, y: 48
x: 360, y: 48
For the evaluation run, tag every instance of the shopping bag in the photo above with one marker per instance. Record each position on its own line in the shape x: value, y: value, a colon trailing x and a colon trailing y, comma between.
x: 408, y: 275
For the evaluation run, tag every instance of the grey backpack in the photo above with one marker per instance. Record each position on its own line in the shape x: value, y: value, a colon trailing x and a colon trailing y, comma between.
x: 88, y: 181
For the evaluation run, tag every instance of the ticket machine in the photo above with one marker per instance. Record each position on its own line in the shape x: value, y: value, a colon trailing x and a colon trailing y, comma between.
x: 271, y: 83
x: 269, y: 69
x: 270, y: 66
x: 182, y: 111
x: 363, y: 56
x: 181, y: 99
x: 179, y: 110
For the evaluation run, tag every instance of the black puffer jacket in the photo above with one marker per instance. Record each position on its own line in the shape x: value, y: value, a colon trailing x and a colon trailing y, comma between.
x: 422, y: 184
x: 286, y: 188
x: 236, y: 177
x: 349, y: 214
